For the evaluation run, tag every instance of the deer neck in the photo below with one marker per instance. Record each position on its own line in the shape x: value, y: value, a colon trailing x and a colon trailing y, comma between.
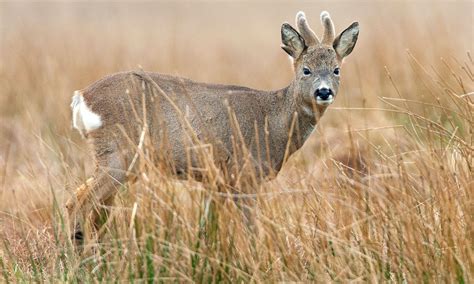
x: 307, y: 114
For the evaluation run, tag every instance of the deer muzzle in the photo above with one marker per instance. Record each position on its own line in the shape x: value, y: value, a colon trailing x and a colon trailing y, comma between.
x: 324, y: 96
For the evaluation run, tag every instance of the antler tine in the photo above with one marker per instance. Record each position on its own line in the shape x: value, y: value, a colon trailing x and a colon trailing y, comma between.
x: 329, y: 33
x: 306, y: 32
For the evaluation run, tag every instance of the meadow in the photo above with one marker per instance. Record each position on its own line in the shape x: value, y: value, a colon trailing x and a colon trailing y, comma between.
x: 381, y: 192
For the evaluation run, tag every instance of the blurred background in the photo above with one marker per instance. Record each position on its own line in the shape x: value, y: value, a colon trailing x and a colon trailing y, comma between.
x: 50, y: 49
x: 410, y: 55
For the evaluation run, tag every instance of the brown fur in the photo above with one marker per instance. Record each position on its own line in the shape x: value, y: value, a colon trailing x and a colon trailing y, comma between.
x: 172, y: 110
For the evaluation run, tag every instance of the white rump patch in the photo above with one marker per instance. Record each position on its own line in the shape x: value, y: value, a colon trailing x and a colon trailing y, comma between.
x: 83, y: 119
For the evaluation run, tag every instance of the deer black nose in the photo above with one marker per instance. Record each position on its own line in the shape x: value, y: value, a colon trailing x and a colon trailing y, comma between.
x: 323, y: 93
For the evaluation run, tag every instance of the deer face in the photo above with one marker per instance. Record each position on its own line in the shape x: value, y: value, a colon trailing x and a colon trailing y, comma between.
x: 317, y: 74
x: 317, y: 64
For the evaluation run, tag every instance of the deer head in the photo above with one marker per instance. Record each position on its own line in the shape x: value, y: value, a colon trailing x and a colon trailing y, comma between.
x: 317, y: 63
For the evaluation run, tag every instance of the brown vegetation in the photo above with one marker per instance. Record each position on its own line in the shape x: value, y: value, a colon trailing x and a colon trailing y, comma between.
x: 382, y: 191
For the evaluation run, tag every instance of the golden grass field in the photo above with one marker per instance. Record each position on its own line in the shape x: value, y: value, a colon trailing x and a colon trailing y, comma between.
x: 381, y: 192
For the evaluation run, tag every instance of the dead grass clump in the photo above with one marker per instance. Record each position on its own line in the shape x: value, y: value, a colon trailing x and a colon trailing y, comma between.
x: 382, y: 191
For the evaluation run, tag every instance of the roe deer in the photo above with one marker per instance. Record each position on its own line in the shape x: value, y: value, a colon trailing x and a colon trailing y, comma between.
x: 271, y: 124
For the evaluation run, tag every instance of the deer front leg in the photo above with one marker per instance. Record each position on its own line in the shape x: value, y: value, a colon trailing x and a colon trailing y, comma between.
x: 248, y: 207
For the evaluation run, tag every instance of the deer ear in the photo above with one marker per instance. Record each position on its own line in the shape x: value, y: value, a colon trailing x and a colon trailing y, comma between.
x: 345, y: 42
x: 292, y: 41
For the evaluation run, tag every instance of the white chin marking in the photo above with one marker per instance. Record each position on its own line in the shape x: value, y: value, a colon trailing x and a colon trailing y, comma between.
x: 325, y: 102
x: 83, y: 118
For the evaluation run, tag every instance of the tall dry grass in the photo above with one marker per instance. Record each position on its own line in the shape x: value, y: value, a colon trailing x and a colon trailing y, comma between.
x: 382, y: 191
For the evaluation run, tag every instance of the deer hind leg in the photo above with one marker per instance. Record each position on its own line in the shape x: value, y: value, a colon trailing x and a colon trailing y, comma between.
x: 86, y: 205
x: 74, y: 204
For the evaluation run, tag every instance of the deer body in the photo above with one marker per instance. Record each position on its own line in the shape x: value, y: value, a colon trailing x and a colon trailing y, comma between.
x: 271, y: 125
x: 207, y: 109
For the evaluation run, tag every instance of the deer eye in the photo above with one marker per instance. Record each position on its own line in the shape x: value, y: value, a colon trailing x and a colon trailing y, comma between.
x: 337, y: 71
x: 306, y: 71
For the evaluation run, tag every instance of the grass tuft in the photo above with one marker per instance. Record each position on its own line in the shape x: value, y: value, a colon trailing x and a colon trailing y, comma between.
x: 382, y: 191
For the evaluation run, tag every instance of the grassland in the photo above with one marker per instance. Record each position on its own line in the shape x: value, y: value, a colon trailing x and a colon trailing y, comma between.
x: 382, y: 191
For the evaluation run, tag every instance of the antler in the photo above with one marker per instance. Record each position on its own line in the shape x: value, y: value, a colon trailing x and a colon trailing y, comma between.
x: 306, y: 32
x: 329, y: 33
